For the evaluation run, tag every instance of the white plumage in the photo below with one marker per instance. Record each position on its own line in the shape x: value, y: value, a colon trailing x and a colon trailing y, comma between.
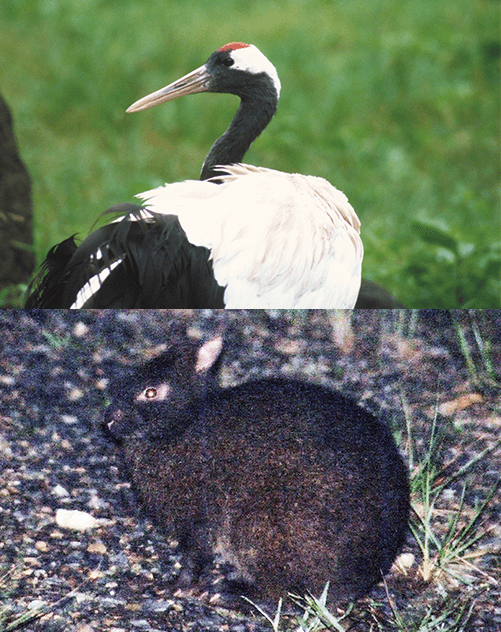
x: 276, y: 239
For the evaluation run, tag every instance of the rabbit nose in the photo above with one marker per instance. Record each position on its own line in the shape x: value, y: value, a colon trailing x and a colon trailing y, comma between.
x: 113, y: 415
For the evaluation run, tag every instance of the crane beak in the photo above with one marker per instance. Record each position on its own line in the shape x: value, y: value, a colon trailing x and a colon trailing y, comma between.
x: 196, y: 81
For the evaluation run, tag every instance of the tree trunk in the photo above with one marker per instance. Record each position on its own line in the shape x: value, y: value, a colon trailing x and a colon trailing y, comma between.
x: 16, y: 233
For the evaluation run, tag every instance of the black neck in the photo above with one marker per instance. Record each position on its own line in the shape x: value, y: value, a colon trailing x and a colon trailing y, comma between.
x: 253, y: 115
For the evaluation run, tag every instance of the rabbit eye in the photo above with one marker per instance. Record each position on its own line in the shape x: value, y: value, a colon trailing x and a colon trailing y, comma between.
x: 157, y: 393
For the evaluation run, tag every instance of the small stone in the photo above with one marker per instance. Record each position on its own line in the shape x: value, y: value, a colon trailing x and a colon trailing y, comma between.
x: 56, y: 535
x: 80, y: 329
x: 75, y: 394
x: 60, y: 491
x: 32, y: 561
x: 76, y: 520
x: 160, y: 605
x: 5, y: 450
x: 41, y: 546
x: 404, y: 561
x: 69, y: 419
x: 97, y: 547
x: 95, y: 502
x: 85, y: 628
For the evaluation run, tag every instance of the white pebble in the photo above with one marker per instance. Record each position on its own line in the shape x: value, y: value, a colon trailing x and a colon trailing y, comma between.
x: 69, y: 419
x: 405, y: 561
x: 80, y: 329
x: 60, y: 491
x: 74, y: 519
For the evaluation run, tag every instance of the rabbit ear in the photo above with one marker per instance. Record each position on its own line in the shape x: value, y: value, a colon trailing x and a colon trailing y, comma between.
x: 208, y: 353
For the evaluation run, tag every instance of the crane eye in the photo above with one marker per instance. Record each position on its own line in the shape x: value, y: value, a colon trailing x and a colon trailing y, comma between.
x: 228, y: 61
x: 150, y: 393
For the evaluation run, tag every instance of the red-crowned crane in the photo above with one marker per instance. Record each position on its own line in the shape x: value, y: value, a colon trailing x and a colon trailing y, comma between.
x: 241, y: 237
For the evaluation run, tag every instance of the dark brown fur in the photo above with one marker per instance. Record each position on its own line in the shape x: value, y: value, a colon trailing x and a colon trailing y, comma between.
x: 289, y: 483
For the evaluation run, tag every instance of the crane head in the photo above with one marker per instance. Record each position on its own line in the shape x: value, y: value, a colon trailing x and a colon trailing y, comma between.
x: 233, y: 68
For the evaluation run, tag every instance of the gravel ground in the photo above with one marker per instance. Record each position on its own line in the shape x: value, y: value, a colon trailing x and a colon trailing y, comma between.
x: 117, y: 576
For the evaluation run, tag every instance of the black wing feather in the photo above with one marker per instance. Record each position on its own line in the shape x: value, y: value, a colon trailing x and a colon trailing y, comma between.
x: 46, y: 288
x: 159, y: 267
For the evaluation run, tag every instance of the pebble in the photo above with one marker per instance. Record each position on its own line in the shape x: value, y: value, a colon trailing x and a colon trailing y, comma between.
x: 75, y: 519
x: 85, y: 628
x: 75, y: 394
x: 97, y: 547
x: 69, y: 419
x: 5, y: 450
x: 60, y: 491
x: 80, y: 329
x: 160, y: 605
x: 41, y: 546
x: 403, y: 563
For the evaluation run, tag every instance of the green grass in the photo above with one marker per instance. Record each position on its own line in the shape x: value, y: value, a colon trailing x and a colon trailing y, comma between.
x: 10, y: 619
x: 395, y: 103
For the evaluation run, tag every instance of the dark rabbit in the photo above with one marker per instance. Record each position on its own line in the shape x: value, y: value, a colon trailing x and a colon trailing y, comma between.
x: 286, y: 483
